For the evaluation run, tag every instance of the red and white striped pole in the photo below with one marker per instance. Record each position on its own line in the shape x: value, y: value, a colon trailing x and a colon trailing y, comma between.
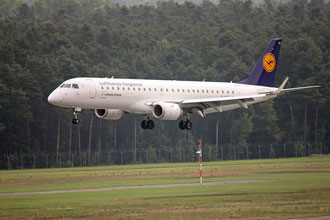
x: 200, y: 161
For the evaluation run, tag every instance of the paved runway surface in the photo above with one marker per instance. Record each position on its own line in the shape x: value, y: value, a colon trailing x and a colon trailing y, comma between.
x: 130, y: 187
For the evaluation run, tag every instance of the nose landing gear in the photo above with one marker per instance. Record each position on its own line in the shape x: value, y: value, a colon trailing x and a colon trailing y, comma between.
x: 75, y: 119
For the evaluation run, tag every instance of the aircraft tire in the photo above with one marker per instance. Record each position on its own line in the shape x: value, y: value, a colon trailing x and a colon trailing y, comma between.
x: 188, y: 125
x: 75, y: 121
x: 150, y: 124
x: 182, y: 125
x: 144, y: 124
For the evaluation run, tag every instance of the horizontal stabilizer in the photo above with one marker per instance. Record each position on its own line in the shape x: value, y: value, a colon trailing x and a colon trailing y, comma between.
x: 298, y: 88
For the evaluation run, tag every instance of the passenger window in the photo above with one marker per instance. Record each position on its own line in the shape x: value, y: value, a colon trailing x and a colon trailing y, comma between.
x: 118, y: 88
x: 101, y: 87
x: 161, y: 90
x: 128, y: 88
x: 150, y: 89
x: 134, y: 88
x: 178, y: 90
x: 193, y: 90
x: 172, y: 90
x: 107, y: 87
x: 227, y: 92
x: 202, y: 90
x: 207, y: 91
x: 188, y: 90
x: 155, y: 89
x: 182, y: 90
x: 223, y: 92
x: 113, y: 88
x: 144, y: 89
x: 233, y: 92
x: 166, y: 89
x: 217, y: 91
x: 139, y: 89
x: 197, y: 91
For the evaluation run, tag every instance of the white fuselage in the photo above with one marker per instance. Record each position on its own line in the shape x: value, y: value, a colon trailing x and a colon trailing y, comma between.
x: 137, y: 95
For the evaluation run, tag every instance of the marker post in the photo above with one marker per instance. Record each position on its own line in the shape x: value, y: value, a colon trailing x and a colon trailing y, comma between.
x: 200, y: 161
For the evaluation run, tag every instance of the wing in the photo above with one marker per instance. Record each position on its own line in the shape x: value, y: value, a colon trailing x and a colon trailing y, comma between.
x: 199, y: 105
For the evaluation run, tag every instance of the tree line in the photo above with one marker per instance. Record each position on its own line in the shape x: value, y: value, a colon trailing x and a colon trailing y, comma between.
x: 44, y: 43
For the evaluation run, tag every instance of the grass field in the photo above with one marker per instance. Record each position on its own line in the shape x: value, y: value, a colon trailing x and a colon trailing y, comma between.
x: 298, y: 188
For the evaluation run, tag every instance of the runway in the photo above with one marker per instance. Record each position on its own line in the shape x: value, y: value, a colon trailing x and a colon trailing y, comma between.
x: 132, y: 187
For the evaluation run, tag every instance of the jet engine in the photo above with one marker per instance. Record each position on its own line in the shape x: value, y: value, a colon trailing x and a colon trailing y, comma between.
x: 167, y: 111
x: 109, y: 114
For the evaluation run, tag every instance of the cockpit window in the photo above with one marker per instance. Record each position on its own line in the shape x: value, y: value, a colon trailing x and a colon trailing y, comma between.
x: 65, y: 86
x: 75, y: 86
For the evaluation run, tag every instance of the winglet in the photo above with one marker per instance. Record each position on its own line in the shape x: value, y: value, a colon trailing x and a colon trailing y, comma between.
x: 279, y: 90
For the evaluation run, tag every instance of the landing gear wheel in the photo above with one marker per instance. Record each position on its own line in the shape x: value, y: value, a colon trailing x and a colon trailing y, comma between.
x: 185, y: 124
x: 75, y: 121
x: 147, y: 124
x: 144, y: 124
x: 189, y: 125
x: 151, y: 124
x: 182, y: 125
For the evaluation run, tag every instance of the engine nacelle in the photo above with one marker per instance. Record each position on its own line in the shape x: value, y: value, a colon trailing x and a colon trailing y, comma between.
x: 166, y: 111
x: 109, y: 114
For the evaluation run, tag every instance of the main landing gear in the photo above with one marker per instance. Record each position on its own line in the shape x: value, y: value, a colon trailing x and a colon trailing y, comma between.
x: 185, y: 124
x: 75, y: 119
x: 147, y: 124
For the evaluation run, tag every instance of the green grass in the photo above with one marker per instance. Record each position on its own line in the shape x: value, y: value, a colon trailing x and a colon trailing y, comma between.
x: 300, y: 188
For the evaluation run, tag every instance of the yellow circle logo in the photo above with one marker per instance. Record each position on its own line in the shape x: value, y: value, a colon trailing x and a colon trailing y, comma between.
x: 269, y: 62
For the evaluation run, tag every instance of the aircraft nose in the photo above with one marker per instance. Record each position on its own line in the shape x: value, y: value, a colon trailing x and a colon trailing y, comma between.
x: 53, y: 98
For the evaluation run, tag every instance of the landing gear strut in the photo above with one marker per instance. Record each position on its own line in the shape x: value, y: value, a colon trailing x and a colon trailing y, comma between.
x: 147, y: 124
x: 75, y: 119
x: 185, y: 124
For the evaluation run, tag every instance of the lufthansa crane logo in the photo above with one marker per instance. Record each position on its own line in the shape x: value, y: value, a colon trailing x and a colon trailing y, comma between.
x: 269, y: 62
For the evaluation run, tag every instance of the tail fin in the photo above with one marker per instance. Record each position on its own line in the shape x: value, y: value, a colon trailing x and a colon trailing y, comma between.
x: 263, y: 73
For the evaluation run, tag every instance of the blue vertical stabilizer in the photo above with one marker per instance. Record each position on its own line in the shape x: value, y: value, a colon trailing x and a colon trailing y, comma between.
x: 263, y: 73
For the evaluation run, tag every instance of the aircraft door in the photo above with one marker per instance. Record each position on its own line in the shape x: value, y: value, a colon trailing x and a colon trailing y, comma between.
x: 92, y: 88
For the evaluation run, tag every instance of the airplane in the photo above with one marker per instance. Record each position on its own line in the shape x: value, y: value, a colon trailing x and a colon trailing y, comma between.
x: 112, y: 98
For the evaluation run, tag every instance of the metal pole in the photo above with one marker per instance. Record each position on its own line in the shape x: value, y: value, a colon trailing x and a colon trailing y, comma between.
x: 200, y: 161
x: 234, y: 152
x: 46, y: 155
x: 221, y: 153
x: 21, y: 161
x: 321, y: 148
x: 34, y: 161
x: 247, y: 152
x: 296, y: 150
x: 171, y: 156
